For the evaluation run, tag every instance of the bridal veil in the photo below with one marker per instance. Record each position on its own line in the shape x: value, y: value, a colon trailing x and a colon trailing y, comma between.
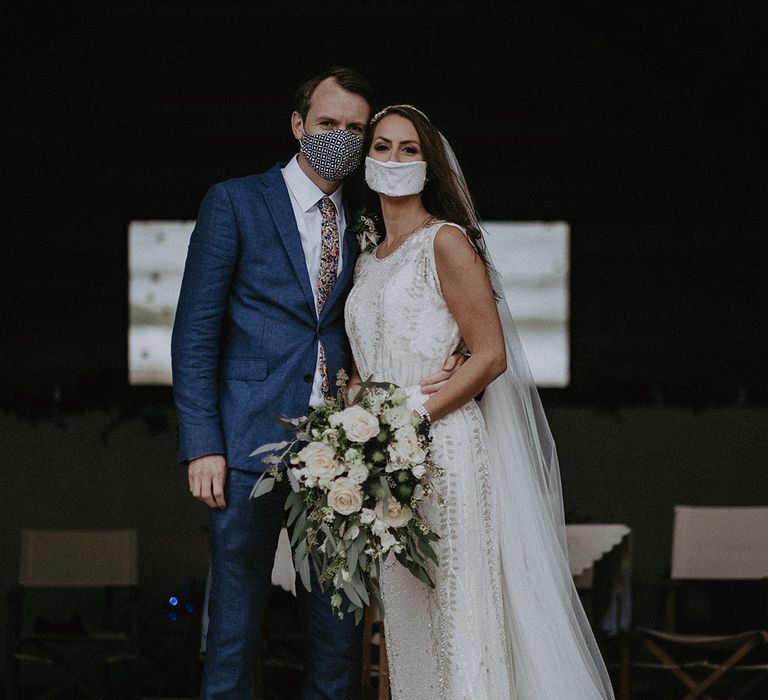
x: 551, y: 646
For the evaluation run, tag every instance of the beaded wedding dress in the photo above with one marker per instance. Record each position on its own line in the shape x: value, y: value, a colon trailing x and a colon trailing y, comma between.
x: 503, y: 620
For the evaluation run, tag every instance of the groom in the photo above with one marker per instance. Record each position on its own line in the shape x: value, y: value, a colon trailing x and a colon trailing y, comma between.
x: 259, y: 333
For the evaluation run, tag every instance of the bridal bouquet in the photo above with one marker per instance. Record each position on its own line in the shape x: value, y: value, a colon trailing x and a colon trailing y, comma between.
x: 358, y: 472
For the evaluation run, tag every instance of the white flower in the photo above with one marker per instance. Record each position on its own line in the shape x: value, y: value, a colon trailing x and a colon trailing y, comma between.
x: 345, y: 496
x: 367, y: 516
x: 328, y: 515
x: 397, y: 416
x: 399, y: 395
x: 418, y: 471
x: 359, y: 425
x: 321, y: 460
x: 358, y: 473
x: 379, y: 526
x: 418, y: 492
x: 330, y: 436
x: 387, y: 540
x: 406, y: 447
x: 394, y: 514
x: 394, y: 465
x: 353, y: 455
x: 353, y: 532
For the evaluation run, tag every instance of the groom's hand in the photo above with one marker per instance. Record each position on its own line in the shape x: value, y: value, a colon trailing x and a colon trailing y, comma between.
x: 432, y: 384
x: 206, y: 479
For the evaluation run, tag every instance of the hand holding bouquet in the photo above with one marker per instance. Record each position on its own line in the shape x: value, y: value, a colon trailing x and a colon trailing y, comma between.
x: 358, y: 473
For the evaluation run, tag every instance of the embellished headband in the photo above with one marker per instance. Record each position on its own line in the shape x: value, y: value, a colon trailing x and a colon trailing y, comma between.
x: 385, y: 111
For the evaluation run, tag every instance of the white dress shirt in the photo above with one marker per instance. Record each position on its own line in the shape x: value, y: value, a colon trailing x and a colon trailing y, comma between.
x: 305, y: 195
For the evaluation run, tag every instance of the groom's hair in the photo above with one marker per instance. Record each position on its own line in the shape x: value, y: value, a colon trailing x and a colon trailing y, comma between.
x: 347, y: 78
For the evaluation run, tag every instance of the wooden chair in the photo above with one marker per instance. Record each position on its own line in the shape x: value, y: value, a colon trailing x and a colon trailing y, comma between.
x: 709, y: 544
x: 74, y: 564
x: 375, y: 666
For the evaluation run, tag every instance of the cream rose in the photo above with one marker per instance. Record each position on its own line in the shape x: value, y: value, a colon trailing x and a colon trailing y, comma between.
x: 345, y: 496
x: 359, y: 425
x: 320, y: 460
x: 394, y: 514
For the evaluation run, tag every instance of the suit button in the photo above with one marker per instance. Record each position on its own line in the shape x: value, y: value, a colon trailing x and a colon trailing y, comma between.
x: 308, y: 378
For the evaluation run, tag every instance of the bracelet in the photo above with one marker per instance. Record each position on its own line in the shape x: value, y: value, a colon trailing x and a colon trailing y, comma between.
x: 424, y: 413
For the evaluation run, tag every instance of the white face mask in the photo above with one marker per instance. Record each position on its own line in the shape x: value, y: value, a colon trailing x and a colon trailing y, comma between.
x: 395, y: 179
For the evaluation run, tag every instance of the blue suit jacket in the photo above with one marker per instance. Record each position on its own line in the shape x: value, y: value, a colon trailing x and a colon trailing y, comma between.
x: 244, y: 345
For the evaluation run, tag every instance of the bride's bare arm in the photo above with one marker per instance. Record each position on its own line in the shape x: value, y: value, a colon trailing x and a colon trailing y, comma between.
x: 354, y: 382
x: 468, y: 293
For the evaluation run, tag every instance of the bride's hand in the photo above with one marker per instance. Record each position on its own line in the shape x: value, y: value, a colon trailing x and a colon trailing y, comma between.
x: 430, y: 385
x: 351, y: 392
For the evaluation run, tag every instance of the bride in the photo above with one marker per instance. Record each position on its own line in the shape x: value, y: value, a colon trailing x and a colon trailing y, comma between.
x: 504, y: 619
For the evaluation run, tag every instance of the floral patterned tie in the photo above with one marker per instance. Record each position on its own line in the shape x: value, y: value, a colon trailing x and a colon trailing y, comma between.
x: 329, y: 262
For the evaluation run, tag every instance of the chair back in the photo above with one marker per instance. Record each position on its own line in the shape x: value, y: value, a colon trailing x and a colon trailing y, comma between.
x: 720, y: 543
x: 78, y: 558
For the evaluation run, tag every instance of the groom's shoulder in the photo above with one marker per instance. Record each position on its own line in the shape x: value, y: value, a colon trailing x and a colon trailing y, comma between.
x: 246, y: 185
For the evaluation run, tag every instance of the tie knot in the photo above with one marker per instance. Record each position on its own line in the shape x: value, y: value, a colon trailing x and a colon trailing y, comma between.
x: 326, y: 206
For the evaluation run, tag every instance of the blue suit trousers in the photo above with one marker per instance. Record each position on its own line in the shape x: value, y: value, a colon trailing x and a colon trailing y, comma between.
x: 244, y: 540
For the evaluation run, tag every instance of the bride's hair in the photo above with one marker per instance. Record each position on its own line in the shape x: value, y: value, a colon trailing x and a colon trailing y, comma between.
x: 442, y: 195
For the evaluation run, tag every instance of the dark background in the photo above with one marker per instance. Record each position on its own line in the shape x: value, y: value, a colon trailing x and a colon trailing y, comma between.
x: 640, y: 124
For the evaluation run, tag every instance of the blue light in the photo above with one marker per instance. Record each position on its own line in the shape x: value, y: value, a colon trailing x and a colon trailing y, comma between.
x: 173, y: 600
x: 188, y: 607
x: 172, y: 616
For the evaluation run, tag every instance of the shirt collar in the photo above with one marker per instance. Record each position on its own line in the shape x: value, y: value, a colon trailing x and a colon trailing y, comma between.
x: 306, y: 192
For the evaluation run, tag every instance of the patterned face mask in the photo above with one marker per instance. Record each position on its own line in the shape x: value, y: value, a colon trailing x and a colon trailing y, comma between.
x: 332, y: 154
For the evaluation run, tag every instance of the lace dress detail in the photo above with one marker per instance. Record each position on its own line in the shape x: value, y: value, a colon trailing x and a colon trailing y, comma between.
x: 448, y: 642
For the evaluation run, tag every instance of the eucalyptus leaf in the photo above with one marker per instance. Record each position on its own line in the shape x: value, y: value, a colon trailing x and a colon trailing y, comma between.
x: 272, y: 447
x: 295, y: 485
x: 262, y: 486
x: 329, y: 535
x: 359, y: 586
x: 427, y: 549
x: 351, y: 593
x: 376, y: 596
x: 299, y: 529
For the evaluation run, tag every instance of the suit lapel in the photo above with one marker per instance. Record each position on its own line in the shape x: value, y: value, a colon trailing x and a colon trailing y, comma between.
x: 279, y: 203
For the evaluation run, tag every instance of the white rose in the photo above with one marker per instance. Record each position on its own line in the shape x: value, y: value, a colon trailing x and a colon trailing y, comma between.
x: 406, y: 447
x: 394, y: 514
x: 320, y: 460
x: 345, y: 496
x: 418, y: 471
x: 357, y: 473
x: 359, y: 425
x: 397, y: 416
x: 367, y: 516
